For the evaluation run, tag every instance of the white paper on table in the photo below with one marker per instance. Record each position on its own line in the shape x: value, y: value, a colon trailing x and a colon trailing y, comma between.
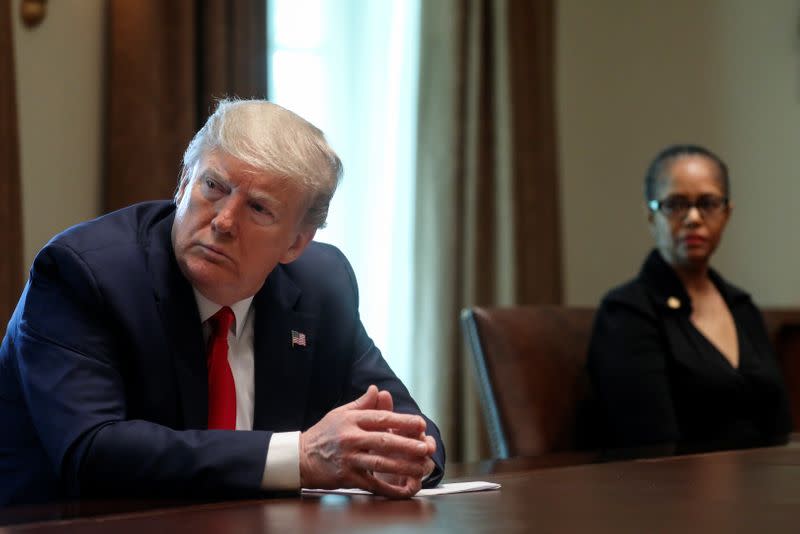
x: 441, y: 489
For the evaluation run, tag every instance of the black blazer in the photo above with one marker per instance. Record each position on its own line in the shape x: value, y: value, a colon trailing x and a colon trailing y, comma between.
x: 658, y: 380
x: 103, y: 381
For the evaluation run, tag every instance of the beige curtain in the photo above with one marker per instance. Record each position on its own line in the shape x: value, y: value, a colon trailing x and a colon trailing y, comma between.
x: 487, y: 217
x: 10, y: 195
x: 167, y: 63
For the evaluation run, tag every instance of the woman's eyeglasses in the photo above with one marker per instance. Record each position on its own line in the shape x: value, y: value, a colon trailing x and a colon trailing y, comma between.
x: 678, y: 206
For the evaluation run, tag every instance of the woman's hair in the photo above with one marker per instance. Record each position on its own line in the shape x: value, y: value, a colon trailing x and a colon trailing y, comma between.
x: 270, y: 138
x: 669, y: 155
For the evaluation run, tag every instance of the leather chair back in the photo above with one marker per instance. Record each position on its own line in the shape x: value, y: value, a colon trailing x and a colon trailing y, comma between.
x: 783, y: 327
x: 530, y: 367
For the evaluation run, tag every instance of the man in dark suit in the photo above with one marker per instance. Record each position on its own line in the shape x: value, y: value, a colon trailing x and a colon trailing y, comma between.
x: 207, y: 346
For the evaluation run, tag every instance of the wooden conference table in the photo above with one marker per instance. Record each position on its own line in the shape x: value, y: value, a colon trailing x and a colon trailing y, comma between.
x: 755, y: 490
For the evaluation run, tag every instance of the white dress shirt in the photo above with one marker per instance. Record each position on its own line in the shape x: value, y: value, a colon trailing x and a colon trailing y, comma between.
x: 282, y: 468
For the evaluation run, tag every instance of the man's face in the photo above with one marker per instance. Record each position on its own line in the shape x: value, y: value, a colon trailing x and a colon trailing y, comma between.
x: 233, y: 225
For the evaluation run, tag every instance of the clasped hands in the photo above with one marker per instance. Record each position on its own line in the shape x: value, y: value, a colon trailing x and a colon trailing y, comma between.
x: 364, y: 444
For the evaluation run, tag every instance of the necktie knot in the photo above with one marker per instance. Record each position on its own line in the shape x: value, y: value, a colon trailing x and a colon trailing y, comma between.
x: 221, y: 321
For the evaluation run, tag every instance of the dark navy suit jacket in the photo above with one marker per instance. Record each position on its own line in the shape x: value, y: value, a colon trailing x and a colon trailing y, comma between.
x: 103, y: 382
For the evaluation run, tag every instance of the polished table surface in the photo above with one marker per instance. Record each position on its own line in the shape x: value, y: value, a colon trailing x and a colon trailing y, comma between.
x: 755, y: 490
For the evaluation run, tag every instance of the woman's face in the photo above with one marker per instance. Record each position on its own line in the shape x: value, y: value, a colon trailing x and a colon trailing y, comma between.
x: 688, y: 237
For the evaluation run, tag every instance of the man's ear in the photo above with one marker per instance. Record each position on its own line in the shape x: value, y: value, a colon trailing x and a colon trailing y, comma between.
x: 300, y: 243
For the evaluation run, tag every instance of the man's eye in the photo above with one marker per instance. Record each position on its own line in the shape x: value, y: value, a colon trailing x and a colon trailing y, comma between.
x: 211, y: 188
x: 262, y: 214
x: 212, y: 185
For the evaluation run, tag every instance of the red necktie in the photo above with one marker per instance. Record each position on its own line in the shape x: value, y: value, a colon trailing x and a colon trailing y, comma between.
x: 221, y: 387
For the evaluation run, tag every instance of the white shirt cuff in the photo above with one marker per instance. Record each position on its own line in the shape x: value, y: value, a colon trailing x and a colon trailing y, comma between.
x: 282, y: 469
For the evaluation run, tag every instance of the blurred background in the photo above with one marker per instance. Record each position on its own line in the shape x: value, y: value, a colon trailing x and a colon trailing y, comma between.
x: 493, y: 150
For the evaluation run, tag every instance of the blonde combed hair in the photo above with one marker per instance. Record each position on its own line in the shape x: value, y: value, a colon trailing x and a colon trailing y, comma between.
x: 273, y: 139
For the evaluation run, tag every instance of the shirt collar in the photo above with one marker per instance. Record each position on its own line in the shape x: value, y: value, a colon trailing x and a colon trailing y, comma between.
x: 208, y: 308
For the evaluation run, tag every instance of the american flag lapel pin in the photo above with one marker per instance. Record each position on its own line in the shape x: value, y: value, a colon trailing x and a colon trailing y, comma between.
x: 298, y: 338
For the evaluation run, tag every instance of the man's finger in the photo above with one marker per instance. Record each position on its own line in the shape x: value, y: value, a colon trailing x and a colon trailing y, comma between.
x: 394, y: 491
x: 429, y: 467
x: 403, y: 489
x: 367, y: 401
x: 385, y: 401
x: 388, y: 444
x: 381, y: 420
x: 377, y: 463
x: 431, y: 443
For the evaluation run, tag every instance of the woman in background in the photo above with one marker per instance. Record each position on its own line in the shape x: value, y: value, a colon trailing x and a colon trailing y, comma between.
x: 680, y: 360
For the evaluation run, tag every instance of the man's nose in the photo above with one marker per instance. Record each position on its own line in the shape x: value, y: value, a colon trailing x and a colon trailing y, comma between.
x: 225, y: 220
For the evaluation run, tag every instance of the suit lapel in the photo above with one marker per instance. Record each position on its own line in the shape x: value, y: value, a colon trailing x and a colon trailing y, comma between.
x: 181, y: 323
x: 282, y: 367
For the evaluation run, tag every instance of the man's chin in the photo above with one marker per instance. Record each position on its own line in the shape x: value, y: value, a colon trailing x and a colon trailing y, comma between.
x: 203, y: 274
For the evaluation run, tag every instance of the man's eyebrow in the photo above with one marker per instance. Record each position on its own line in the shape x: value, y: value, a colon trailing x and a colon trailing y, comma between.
x: 263, y: 196
x: 257, y: 196
x: 208, y: 171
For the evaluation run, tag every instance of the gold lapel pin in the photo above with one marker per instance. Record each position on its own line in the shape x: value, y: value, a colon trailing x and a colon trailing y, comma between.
x: 674, y: 303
